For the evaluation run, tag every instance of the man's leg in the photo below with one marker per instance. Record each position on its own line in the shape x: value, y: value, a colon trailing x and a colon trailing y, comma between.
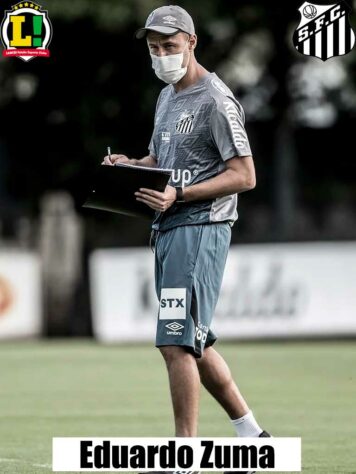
x: 184, y: 383
x: 178, y: 253
x: 216, y: 377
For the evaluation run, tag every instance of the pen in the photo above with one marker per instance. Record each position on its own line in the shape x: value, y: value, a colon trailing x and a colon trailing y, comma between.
x: 109, y: 152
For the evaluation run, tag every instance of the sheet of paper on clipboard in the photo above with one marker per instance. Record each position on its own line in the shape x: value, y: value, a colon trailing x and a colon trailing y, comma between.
x: 113, y: 188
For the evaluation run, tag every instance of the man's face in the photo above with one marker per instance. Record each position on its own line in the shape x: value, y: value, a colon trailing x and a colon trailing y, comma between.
x: 162, y: 45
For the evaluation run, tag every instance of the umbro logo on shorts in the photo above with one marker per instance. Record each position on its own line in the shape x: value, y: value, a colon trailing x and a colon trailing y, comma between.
x: 174, y: 326
x: 173, y: 303
x: 175, y: 329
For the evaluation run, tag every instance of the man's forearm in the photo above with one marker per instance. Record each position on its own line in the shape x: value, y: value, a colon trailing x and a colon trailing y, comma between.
x: 228, y: 182
x: 148, y: 161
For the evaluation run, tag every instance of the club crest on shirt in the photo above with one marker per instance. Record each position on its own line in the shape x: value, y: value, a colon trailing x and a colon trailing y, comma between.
x: 184, y: 123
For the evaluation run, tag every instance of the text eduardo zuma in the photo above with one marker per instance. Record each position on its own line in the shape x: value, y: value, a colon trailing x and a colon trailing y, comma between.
x: 203, y: 454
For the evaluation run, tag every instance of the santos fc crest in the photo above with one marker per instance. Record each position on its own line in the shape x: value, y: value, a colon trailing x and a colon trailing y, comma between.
x: 324, y: 30
x: 185, y: 122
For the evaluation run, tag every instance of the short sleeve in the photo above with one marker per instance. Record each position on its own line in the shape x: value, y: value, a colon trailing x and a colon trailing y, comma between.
x: 228, y: 129
x: 152, y: 147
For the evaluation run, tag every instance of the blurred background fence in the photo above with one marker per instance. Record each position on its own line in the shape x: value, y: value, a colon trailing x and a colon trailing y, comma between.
x: 97, y: 89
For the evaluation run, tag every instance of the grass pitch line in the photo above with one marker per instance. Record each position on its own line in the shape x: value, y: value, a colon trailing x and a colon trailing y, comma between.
x: 43, y: 466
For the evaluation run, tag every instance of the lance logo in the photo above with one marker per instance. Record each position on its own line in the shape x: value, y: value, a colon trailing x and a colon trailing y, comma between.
x: 324, y: 30
x: 26, y: 32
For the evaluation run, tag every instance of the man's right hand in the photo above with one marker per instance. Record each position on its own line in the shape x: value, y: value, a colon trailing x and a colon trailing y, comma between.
x: 117, y: 159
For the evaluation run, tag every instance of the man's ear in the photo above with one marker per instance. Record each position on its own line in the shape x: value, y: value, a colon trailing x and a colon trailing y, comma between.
x: 193, y: 39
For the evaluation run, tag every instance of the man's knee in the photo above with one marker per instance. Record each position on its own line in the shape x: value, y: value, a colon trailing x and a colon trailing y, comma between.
x: 206, y: 357
x: 172, y: 353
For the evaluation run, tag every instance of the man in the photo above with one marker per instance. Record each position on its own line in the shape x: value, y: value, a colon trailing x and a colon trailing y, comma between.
x: 199, y: 133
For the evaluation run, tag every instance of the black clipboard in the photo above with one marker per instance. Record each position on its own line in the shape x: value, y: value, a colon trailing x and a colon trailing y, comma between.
x: 113, y: 187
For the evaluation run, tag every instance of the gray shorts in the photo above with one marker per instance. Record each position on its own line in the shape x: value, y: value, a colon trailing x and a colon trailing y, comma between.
x: 189, y: 267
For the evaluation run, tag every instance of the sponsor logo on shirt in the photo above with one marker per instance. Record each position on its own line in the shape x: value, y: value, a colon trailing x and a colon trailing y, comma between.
x: 181, y: 176
x: 166, y: 136
x: 172, y: 304
x: 238, y: 133
x: 184, y: 123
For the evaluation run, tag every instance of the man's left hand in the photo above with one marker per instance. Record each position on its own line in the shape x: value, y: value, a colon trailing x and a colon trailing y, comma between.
x: 156, y: 200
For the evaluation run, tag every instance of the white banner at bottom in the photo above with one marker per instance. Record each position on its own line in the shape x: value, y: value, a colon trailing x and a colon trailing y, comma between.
x: 188, y: 454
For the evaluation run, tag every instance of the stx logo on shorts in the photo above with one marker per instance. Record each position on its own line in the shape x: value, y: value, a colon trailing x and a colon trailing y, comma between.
x: 173, y: 303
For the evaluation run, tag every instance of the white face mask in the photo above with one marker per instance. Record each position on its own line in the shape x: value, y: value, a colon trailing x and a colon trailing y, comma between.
x: 169, y: 68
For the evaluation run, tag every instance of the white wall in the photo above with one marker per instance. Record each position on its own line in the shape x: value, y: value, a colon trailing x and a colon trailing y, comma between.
x: 20, y: 294
x: 275, y: 290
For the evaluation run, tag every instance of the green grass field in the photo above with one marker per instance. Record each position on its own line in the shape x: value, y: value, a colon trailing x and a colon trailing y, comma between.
x: 84, y: 389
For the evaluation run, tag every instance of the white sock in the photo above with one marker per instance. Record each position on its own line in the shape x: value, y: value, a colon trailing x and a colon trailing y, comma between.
x: 247, y: 426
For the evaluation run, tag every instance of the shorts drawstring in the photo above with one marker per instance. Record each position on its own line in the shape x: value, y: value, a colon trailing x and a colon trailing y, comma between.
x: 153, y: 238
